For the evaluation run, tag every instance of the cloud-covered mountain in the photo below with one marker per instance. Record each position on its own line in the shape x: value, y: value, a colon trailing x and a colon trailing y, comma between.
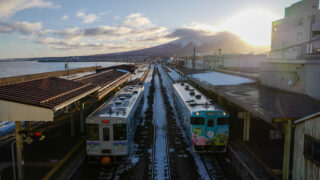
x: 206, y: 43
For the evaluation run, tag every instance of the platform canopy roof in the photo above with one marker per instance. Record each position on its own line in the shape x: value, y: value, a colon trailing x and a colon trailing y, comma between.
x: 102, y: 79
x: 39, y: 99
x: 267, y: 103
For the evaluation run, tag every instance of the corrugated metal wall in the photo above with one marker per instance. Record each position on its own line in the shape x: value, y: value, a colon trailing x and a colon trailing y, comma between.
x: 304, y: 168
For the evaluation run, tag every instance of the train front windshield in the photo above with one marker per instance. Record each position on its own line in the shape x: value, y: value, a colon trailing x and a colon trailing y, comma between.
x: 93, y: 132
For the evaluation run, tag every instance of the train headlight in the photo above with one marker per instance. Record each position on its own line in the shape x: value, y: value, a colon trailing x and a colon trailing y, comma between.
x: 197, y: 113
x: 224, y: 113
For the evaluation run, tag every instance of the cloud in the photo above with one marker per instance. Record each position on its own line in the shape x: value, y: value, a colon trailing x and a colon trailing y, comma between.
x: 22, y: 27
x: 87, y: 18
x: 136, y: 31
x: 136, y: 20
x: 65, y: 17
x: 116, y: 17
x: 10, y: 7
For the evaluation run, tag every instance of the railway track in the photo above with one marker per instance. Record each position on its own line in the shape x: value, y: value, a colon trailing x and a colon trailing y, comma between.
x: 212, y: 166
x: 160, y: 134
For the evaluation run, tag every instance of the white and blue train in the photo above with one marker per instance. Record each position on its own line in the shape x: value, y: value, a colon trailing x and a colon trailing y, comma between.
x: 110, y: 129
x: 206, y: 124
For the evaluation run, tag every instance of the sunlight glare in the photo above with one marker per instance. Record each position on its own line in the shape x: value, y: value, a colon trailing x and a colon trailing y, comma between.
x: 252, y: 25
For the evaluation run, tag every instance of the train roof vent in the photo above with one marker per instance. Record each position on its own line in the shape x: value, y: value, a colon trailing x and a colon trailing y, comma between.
x: 135, y: 92
x: 191, y: 93
x: 191, y: 89
x: 198, y: 96
x: 192, y: 104
x: 182, y: 84
x: 186, y: 87
x: 118, y: 102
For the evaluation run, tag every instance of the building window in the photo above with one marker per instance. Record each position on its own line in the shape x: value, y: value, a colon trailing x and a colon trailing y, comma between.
x: 299, y: 36
x: 313, y: 19
x: 311, y: 149
x: 301, y: 21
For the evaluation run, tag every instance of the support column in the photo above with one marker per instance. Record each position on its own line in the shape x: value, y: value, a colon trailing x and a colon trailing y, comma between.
x: 246, y: 126
x: 19, y: 146
x: 286, y: 149
x: 81, y: 117
x: 220, y: 101
x: 71, y: 121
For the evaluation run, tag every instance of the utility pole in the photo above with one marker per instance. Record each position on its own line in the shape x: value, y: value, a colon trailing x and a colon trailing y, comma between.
x: 194, y: 58
x: 19, y: 146
x: 310, y: 34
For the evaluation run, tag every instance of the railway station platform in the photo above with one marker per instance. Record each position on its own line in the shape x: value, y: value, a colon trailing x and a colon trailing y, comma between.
x: 54, y: 102
x: 261, y: 120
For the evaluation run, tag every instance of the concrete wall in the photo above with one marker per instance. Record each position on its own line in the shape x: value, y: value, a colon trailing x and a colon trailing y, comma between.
x: 243, y: 61
x: 301, y: 77
x: 304, y: 168
x: 285, y: 76
x: 313, y: 80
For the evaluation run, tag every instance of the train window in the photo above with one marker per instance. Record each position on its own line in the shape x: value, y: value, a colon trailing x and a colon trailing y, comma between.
x: 210, y: 122
x: 197, y: 121
x: 223, y: 121
x: 93, y: 132
x: 119, y: 132
x: 106, y: 134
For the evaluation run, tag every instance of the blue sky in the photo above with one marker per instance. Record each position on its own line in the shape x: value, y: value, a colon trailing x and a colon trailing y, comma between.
x: 39, y: 28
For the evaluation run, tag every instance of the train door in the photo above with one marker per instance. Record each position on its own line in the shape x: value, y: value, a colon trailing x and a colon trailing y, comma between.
x: 211, y: 130
x: 106, y: 138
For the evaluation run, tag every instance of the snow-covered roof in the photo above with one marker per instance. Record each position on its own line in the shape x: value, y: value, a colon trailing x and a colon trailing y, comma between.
x: 218, y: 79
x: 78, y: 75
x: 139, y: 73
x: 193, y: 103
x: 121, y: 104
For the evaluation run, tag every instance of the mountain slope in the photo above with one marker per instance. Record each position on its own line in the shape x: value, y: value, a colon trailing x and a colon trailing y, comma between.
x: 205, y: 44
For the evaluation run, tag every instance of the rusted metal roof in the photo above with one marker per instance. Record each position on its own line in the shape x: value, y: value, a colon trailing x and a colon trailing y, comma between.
x: 102, y: 79
x: 49, y: 92
x: 267, y: 103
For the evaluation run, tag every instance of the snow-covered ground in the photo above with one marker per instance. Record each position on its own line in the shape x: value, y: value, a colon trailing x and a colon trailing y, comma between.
x: 173, y: 74
x: 161, y: 163
x: 218, y: 79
